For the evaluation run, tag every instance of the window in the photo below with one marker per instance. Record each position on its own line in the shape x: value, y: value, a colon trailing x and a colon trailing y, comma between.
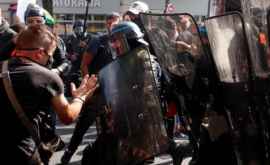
x: 79, y: 16
x: 99, y: 17
x: 64, y: 17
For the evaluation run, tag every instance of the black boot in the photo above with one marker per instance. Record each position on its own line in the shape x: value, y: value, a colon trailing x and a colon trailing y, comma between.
x: 179, y: 152
x: 66, y: 157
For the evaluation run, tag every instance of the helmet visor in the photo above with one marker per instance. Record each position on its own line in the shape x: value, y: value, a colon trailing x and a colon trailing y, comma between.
x: 119, y: 44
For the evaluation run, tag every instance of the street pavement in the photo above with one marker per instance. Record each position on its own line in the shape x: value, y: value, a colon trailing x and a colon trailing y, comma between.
x: 66, y: 132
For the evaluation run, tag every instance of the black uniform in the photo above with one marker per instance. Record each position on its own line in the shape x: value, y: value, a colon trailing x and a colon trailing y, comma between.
x: 74, y: 55
x: 60, y: 61
x: 99, y: 48
x: 75, y: 51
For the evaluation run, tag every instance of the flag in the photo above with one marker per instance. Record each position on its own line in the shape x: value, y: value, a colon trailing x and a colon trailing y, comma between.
x: 12, y: 7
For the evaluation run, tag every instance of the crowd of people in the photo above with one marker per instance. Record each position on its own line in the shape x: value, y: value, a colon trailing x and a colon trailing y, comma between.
x: 41, y: 66
x: 45, y: 78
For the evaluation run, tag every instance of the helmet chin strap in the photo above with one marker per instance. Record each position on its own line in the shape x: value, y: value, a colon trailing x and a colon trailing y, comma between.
x: 141, y: 40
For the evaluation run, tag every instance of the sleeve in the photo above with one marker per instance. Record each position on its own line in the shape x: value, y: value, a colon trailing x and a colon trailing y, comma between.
x: 6, y: 44
x: 6, y: 50
x: 69, y: 45
x: 60, y: 60
x: 54, y: 86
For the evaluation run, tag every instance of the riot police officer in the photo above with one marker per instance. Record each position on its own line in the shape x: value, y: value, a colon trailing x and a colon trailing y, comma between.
x: 76, y: 44
x: 96, y: 56
x: 126, y: 37
x: 135, y: 8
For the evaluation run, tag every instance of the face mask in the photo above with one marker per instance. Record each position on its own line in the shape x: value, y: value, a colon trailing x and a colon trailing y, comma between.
x: 78, y: 30
x: 1, y: 20
x: 49, y: 62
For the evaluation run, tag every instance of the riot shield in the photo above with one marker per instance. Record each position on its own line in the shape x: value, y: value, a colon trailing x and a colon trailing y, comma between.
x: 216, y: 7
x: 176, y: 42
x: 268, y: 22
x: 255, y: 15
x: 129, y: 89
x: 234, y: 63
x: 229, y: 47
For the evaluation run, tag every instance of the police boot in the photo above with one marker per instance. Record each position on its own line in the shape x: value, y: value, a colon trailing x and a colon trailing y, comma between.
x: 66, y: 157
x: 179, y: 152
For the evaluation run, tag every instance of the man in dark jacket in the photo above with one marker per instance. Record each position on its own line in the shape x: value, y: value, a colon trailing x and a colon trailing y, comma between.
x: 35, y: 15
x: 36, y: 89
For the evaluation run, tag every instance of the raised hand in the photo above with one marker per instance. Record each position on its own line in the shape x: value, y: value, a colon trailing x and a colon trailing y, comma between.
x: 86, y: 89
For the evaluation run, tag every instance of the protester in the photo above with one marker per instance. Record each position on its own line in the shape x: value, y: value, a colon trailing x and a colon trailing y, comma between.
x: 36, y: 89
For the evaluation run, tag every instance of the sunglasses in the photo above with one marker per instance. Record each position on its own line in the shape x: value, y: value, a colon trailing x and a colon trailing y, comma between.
x: 36, y: 21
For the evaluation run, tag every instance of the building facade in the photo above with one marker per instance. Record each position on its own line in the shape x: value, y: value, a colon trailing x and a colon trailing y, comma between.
x: 195, y: 7
x: 67, y: 11
x: 8, y: 8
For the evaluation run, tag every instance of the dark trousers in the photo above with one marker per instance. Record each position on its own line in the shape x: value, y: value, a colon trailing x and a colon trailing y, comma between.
x: 87, y: 117
x: 169, y: 123
x: 85, y: 120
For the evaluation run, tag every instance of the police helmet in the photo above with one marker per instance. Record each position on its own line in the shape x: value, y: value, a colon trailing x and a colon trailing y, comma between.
x: 78, y: 23
x: 126, y: 36
x: 78, y: 28
x: 130, y: 29
x: 34, y: 10
x: 138, y: 7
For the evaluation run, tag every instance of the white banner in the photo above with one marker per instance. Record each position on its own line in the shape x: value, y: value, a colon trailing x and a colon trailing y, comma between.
x: 21, y: 8
x: 79, y: 6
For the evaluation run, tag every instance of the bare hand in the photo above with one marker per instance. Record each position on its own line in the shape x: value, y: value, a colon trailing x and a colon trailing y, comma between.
x: 82, y: 44
x: 87, y: 87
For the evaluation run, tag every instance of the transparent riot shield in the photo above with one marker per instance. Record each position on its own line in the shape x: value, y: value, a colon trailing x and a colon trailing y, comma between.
x: 268, y: 21
x: 255, y: 15
x: 229, y: 47
x: 176, y: 42
x: 216, y: 7
x: 234, y: 64
x: 133, y: 106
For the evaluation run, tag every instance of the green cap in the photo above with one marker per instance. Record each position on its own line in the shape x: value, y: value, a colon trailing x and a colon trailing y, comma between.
x: 49, y: 20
